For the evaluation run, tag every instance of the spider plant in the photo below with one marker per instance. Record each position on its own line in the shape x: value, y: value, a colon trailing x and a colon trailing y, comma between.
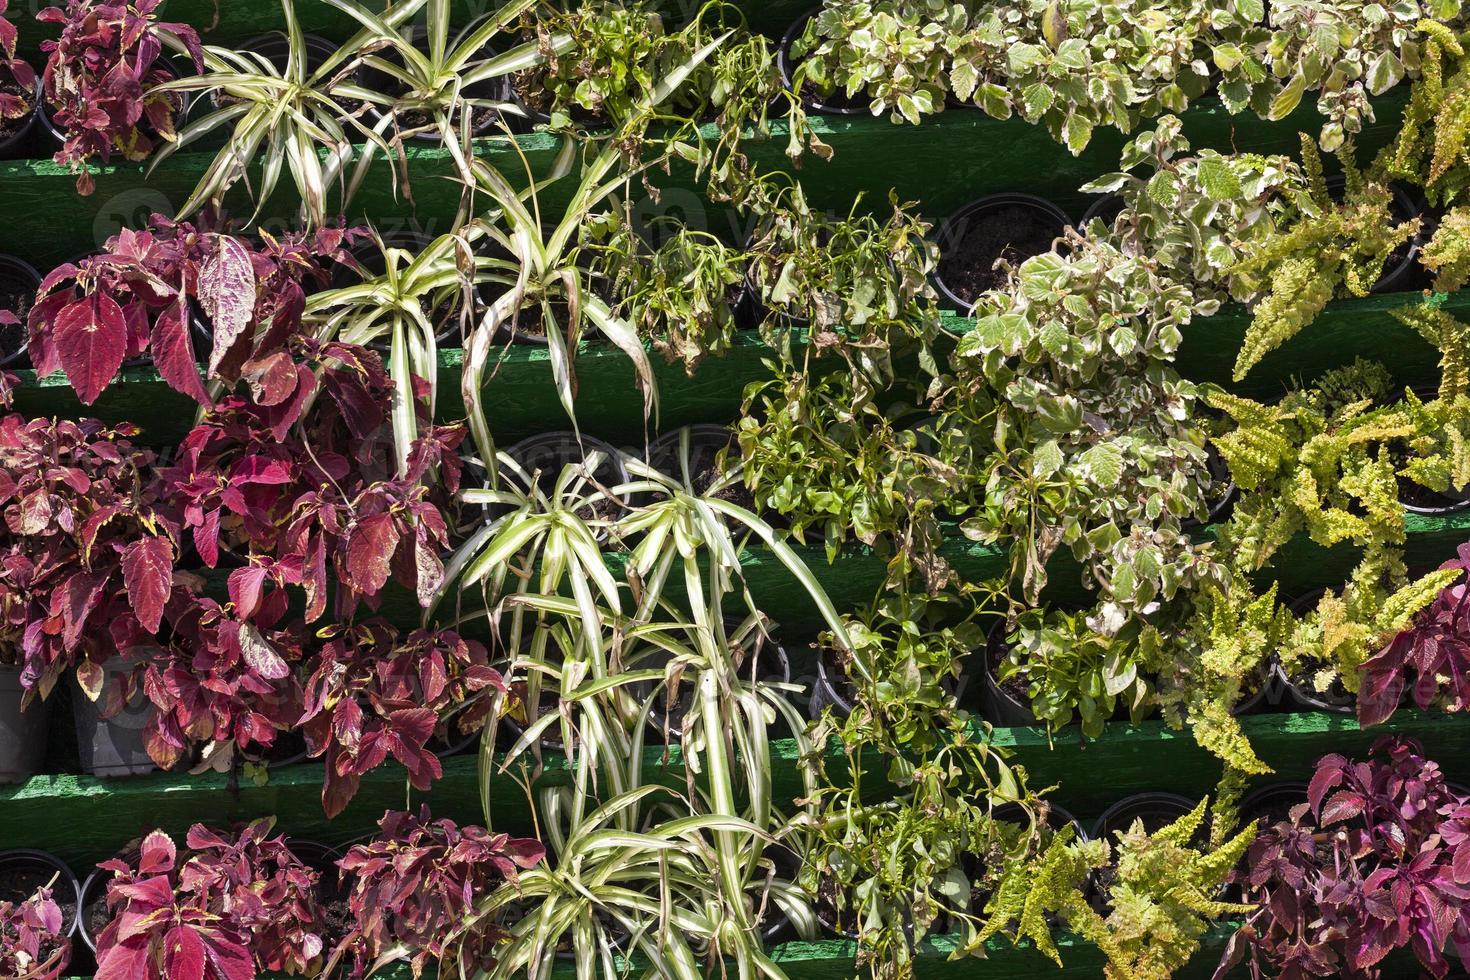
x: 399, y: 308
x: 284, y: 115
x: 439, y: 78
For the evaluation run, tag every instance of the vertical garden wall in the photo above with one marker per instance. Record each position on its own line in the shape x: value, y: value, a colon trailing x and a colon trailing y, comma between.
x: 890, y: 488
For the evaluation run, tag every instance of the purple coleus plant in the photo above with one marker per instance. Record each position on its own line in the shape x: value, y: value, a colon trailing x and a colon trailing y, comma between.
x: 229, y: 908
x: 97, y: 80
x: 372, y: 693
x: 415, y: 886
x: 13, y: 106
x: 139, y: 295
x: 88, y: 549
x: 1377, y: 860
x: 1434, y: 653
x: 33, y: 941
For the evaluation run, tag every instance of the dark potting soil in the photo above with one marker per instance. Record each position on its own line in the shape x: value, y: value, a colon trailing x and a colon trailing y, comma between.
x: 1012, y: 232
x: 532, y: 92
x: 736, y: 492
x: 1014, y: 686
x: 10, y: 127
x: 96, y: 915
x: 843, y: 922
x: 17, y: 293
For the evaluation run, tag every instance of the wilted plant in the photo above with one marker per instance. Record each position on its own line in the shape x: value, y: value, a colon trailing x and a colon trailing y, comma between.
x: 103, y: 79
x: 33, y: 940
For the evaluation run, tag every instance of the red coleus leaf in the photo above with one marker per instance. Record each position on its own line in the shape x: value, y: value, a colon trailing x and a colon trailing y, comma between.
x: 148, y: 572
x: 260, y: 655
x: 227, y: 293
x: 246, y: 585
x: 123, y: 962
x: 183, y: 954
x: 91, y: 342
x: 173, y: 352
x: 370, y: 547
x: 157, y: 853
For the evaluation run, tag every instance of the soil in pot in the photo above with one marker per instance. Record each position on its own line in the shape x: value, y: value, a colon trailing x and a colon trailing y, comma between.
x: 706, y: 443
x: 1014, y: 687
x: 1051, y: 817
x: 18, y: 284
x: 976, y: 240
x: 841, y: 922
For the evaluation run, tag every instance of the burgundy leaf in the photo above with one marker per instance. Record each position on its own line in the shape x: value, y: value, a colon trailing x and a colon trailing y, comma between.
x: 91, y: 342
x: 227, y: 293
x: 173, y: 352
x: 370, y: 548
x: 148, y: 572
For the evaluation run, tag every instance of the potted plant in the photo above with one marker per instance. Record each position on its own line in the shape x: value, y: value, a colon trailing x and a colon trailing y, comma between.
x: 231, y: 906
x: 20, y: 93
x: 1364, y: 866
x: 38, y: 915
x: 413, y: 887
x: 981, y: 242
x: 102, y: 81
x: 371, y: 693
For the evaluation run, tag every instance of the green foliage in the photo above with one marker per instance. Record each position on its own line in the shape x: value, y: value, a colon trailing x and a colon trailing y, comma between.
x: 1430, y: 149
x: 1071, y: 671
x: 1331, y: 248
x: 1447, y: 253
x: 1095, y: 450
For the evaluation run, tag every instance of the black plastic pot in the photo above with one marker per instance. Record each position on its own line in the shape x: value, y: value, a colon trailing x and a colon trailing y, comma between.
x: 23, y: 871
x: 996, y: 705
x: 1302, y: 695
x: 275, y: 47
x: 773, y: 666
x: 1395, y: 277
x: 22, y: 732
x: 182, y: 100
x: 18, y: 144
x: 1106, y: 206
x: 832, y: 688
x: 1224, y: 502
x: 543, y: 457
x: 496, y: 89
x: 706, y: 442
x: 837, y: 104
x: 957, y: 226
x: 1272, y: 803
x: 19, y: 282
x: 112, y: 747
x: 93, y: 902
x: 1154, y: 809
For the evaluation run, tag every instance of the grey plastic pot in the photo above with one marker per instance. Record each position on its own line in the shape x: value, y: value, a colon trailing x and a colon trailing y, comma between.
x: 66, y: 889
x: 833, y: 105
x: 22, y: 732
x: 112, y: 747
x: 955, y: 227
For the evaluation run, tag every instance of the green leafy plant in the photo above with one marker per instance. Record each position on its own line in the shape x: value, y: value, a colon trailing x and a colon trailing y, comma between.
x: 1334, y: 247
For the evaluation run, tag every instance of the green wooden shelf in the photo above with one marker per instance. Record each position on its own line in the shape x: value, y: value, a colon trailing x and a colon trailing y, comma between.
x: 523, y: 402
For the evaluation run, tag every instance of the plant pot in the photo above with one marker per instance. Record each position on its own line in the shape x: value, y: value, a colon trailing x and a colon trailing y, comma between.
x: 1396, y: 271
x: 997, y: 705
x: 1106, y: 206
x: 773, y: 666
x: 15, y: 142
x: 19, y: 281
x: 836, y: 104
x: 182, y: 101
x: 706, y: 442
x: 832, y: 689
x: 970, y: 245
x: 1223, y: 502
x: 112, y: 747
x: 543, y: 457
x: 1422, y: 500
x: 92, y: 913
x: 22, y: 871
x: 22, y: 874
x: 22, y: 732
x: 1156, y: 810
x: 1300, y: 693
x: 1272, y: 803
x: 496, y: 89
